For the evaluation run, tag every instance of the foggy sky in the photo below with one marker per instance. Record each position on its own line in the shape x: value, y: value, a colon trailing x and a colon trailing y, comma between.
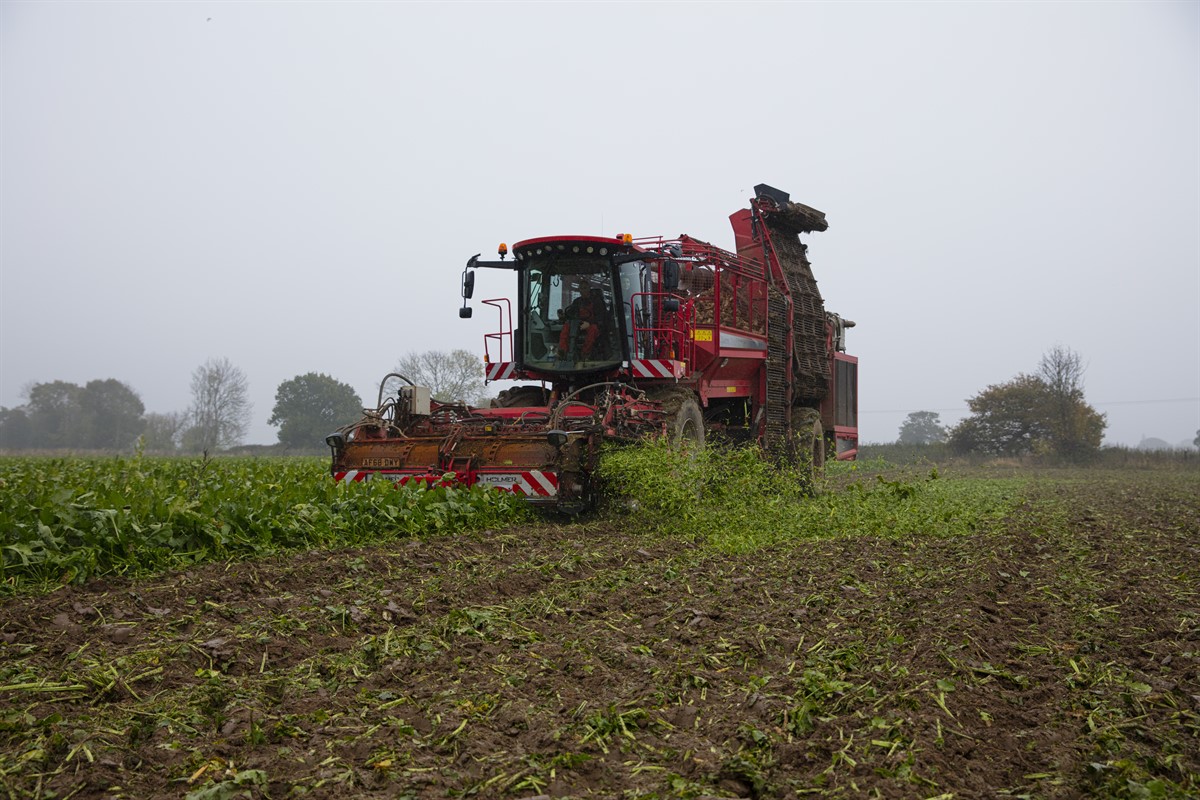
x: 296, y: 186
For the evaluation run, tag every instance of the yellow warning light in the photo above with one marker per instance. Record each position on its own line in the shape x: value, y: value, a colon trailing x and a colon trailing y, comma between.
x: 503, y: 251
x: 627, y: 238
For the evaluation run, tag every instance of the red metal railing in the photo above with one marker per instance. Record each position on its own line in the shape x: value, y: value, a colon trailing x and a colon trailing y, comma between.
x: 670, y: 334
x: 505, y: 311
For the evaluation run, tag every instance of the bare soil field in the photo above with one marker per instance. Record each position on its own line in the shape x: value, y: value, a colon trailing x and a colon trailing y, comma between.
x: 1054, y: 653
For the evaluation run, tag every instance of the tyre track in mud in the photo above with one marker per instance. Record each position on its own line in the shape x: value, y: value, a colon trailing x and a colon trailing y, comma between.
x: 416, y: 582
x: 202, y: 619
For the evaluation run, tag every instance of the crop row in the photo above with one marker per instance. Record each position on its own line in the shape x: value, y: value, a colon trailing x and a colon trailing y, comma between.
x: 66, y: 520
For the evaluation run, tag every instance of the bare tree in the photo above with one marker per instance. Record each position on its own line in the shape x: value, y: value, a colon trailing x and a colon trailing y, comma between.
x: 451, y: 377
x: 1073, y: 423
x: 1062, y: 369
x: 220, y: 411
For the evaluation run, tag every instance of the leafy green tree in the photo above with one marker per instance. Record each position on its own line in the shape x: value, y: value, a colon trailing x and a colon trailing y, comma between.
x: 922, y: 427
x: 103, y: 415
x: 1043, y: 413
x: 110, y: 415
x: 220, y: 411
x: 1006, y: 419
x: 53, y: 412
x: 309, y: 407
x: 16, y: 432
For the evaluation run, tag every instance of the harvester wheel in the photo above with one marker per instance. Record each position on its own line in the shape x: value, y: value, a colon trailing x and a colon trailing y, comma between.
x: 685, y: 422
x: 520, y: 396
x: 810, y: 446
x: 688, y: 425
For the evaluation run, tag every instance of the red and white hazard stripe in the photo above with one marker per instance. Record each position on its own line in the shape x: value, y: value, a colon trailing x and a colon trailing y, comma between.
x: 657, y: 368
x: 533, y: 483
x: 500, y: 370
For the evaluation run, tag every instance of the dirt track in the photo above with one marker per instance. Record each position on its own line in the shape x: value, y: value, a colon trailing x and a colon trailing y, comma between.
x: 1057, y: 655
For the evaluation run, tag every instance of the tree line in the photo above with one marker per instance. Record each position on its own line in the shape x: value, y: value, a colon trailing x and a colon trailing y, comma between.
x: 109, y: 415
x: 1044, y: 412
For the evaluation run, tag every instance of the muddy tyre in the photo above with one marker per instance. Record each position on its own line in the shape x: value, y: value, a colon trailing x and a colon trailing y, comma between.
x: 685, y: 421
x: 521, y: 396
x: 687, y: 429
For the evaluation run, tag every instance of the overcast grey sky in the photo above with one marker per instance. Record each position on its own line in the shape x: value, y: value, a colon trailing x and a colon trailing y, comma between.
x: 296, y: 186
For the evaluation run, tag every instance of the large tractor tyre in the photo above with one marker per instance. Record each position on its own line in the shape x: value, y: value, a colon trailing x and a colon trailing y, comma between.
x: 685, y: 422
x: 687, y: 429
x: 521, y: 396
x: 810, y: 447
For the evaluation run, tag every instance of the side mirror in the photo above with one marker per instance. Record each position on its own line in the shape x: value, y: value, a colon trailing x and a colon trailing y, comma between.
x: 468, y: 286
x: 670, y: 276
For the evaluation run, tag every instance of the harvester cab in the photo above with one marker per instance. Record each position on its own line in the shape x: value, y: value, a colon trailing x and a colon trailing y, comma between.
x: 615, y: 339
x: 572, y: 295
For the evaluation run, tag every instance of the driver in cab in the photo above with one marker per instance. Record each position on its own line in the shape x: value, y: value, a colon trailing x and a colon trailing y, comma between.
x: 589, y: 309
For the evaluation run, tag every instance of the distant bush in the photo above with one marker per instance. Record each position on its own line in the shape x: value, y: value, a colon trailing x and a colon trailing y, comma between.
x: 1109, y: 456
x: 903, y: 454
x: 1122, y: 456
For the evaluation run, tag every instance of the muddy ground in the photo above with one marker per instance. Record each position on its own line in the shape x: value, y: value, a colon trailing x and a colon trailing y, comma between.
x: 1056, y: 654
